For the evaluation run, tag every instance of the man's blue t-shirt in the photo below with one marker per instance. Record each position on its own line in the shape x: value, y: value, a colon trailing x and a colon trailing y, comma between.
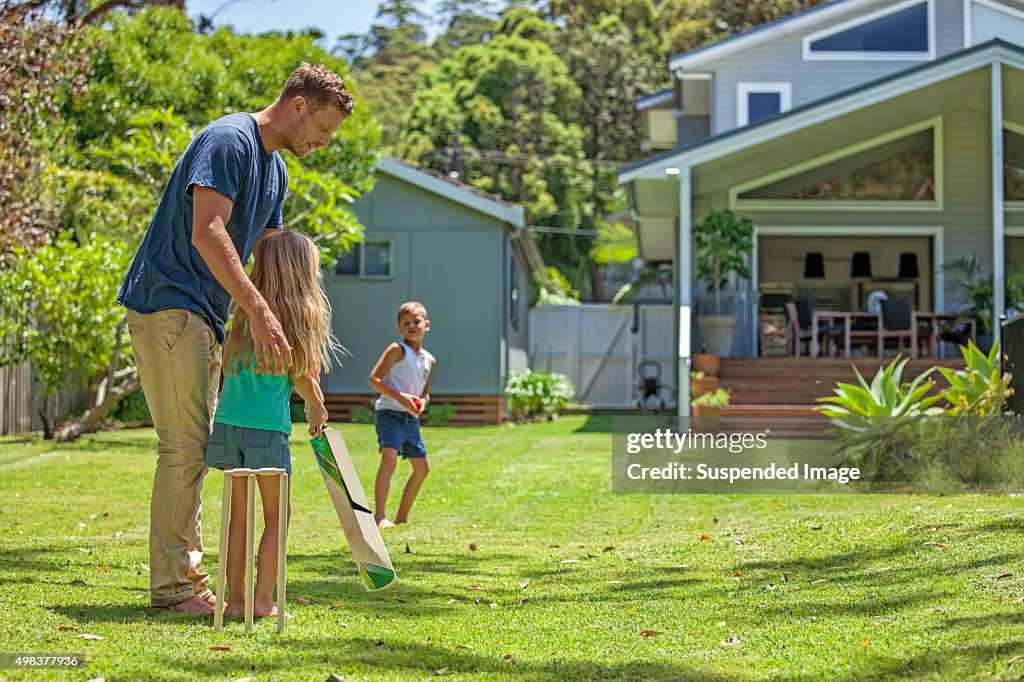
x: 168, y: 272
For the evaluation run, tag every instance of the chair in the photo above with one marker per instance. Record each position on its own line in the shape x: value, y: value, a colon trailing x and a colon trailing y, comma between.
x: 900, y: 322
x: 800, y: 316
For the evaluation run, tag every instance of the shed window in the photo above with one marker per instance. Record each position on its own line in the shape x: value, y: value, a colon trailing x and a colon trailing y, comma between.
x: 369, y: 259
x: 758, y: 101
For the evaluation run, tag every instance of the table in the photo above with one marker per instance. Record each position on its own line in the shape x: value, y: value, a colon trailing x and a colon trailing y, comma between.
x: 846, y: 317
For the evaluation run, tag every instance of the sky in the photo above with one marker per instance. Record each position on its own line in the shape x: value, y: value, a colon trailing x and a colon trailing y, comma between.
x: 333, y: 17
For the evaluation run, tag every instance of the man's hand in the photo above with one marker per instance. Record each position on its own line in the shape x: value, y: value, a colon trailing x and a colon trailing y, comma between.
x: 272, y: 350
x: 316, y: 417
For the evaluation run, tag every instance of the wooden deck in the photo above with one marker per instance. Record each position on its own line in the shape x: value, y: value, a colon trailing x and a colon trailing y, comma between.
x: 785, y: 390
x: 470, y: 410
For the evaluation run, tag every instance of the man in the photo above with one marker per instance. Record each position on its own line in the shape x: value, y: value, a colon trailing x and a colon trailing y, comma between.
x: 224, y: 194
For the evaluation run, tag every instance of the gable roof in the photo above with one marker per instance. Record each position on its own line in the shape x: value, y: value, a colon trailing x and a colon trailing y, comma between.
x: 765, y: 32
x: 454, y: 190
x: 826, y: 109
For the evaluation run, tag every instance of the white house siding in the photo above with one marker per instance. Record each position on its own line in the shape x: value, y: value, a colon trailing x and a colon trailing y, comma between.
x: 781, y: 60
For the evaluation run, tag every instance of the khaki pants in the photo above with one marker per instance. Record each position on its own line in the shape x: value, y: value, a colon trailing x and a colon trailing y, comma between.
x: 179, y: 365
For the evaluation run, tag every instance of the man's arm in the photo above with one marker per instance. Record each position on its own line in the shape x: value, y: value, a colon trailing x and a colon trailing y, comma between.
x: 210, y: 213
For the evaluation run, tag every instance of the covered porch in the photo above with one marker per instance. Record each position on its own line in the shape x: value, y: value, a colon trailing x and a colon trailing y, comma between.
x: 900, y: 176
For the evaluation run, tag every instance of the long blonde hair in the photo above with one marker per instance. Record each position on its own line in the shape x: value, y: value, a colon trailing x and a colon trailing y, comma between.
x: 286, y: 271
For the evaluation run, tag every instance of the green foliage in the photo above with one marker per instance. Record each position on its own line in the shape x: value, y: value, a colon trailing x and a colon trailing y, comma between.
x: 969, y: 280
x: 535, y: 396
x: 99, y: 202
x: 134, y: 411
x: 556, y: 290
x: 362, y: 415
x: 615, y: 243
x: 853, y: 407
x: 440, y: 415
x: 724, y: 241
x: 59, y: 310
x: 979, y: 390
x: 718, y: 398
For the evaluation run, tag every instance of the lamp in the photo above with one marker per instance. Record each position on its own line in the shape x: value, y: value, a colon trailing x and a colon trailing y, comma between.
x: 860, y: 266
x: 814, y: 265
x: 908, y: 266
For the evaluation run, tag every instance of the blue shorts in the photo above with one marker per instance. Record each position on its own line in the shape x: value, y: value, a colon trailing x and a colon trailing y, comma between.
x: 243, y: 447
x: 399, y: 431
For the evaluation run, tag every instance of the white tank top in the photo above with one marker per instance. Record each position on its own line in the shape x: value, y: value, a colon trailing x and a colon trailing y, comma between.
x: 408, y: 375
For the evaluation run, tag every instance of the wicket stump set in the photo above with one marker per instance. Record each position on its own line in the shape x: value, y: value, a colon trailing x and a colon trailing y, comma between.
x: 250, y: 527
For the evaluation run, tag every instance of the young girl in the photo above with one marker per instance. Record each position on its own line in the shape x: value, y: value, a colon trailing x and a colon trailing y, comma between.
x: 253, y: 420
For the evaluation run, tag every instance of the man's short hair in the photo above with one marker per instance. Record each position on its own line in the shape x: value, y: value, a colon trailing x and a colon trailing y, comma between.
x: 320, y: 85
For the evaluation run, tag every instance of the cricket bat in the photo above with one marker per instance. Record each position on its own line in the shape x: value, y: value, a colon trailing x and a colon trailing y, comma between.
x: 353, y: 509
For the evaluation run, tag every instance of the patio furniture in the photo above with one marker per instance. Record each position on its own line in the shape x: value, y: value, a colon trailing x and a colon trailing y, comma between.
x: 901, y: 322
x: 807, y: 326
x: 857, y: 326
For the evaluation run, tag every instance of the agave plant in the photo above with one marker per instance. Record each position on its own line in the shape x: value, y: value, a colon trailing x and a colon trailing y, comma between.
x: 979, y: 390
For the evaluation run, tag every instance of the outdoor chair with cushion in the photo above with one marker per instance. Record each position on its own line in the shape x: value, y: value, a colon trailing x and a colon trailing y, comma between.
x: 900, y: 322
x: 800, y: 316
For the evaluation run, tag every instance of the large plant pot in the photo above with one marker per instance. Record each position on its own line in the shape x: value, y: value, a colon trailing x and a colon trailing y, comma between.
x: 699, y: 387
x: 707, y: 363
x: 717, y: 332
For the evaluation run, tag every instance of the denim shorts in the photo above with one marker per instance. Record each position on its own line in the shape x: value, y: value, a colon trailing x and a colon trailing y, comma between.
x: 243, y: 447
x: 400, y: 431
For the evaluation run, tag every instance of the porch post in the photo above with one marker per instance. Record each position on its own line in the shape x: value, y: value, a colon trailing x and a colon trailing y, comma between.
x: 684, y: 293
x: 998, y: 222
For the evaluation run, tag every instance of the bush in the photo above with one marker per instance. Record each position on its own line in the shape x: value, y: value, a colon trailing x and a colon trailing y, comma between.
x: 439, y: 415
x: 979, y: 390
x: 362, y: 415
x: 535, y: 396
x: 720, y: 397
x: 133, y: 410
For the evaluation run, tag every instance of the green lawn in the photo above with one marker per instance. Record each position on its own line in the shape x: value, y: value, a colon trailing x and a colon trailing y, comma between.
x: 520, y: 563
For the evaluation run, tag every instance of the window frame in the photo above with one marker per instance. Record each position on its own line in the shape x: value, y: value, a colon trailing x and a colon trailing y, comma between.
x: 361, y: 274
x: 810, y: 55
x: 744, y: 89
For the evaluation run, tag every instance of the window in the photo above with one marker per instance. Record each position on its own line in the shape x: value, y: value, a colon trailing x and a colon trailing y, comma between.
x: 369, y: 259
x: 758, y: 101
x: 1013, y: 166
x: 903, y: 31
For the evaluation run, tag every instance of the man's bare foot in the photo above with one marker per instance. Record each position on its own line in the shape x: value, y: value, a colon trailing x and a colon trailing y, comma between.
x: 211, y: 600
x: 192, y: 606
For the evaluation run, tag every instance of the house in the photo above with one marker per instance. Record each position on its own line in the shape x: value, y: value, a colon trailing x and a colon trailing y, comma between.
x: 891, y: 129
x: 467, y: 257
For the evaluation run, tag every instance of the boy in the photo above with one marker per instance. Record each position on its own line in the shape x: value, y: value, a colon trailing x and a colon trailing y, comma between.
x: 402, y: 375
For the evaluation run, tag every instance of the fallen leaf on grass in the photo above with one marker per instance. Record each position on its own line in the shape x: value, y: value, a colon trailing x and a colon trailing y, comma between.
x: 554, y: 546
x: 714, y: 520
x: 301, y: 600
x: 118, y: 535
x: 931, y: 529
x: 451, y: 601
x: 732, y: 641
x: 102, y: 569
x: 1005, y: 575
x: 95, y: 679
x: 77, y: 583
x: 737, y: 575
x: 651, y: 633
x: 819, y: 580
x: 864, y: 642
x: 720, y: 623
x: 336, y: 606
x: 494, y: 606
x: 508, y: 658
x: 608, y: 548
x: 464, y: 647
x: 524, y: 584
x: 938, y: 545
x: 94, y: 638
x: 632, y: 610
x: 472, y: 547
x: 441, y: 671
x: 220, y: 648
x: 591, y: 556
x: 705, y: 538
x: 570, y: 561
x: 813, y: 619
x: 1015, y: 659
x: 762, y: 605
x: 476, y: 588
x: 67, y: 628
x: 143, y: 566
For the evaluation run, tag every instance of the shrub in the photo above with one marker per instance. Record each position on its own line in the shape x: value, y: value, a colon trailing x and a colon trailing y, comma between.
x: 718, y: 398
x: 362, y: 415
x: 979, y: 390
x: 535, y: 396
x: 439, y: 415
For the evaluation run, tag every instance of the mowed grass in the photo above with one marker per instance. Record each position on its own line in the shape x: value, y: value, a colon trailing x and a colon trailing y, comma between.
x: 520, y: 563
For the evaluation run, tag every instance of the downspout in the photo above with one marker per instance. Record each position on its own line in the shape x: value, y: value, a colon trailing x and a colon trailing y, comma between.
x: 998, y: 219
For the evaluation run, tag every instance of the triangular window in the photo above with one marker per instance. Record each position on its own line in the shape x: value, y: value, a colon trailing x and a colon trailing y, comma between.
x: 900, y: 170
x: 897, y: 32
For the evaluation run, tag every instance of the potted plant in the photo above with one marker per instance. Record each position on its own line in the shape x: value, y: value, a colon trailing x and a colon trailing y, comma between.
x: 701, y: 384
x: 976, y: 290
x: 707, y: 363
x: 724, y: 242
x: 709, y: 404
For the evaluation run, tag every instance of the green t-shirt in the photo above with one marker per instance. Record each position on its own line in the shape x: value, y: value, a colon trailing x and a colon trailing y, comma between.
x: 259, y: 401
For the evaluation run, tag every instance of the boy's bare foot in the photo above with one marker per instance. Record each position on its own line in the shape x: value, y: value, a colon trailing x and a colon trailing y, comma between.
x: 384, y: 523
x: 192, y: 606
